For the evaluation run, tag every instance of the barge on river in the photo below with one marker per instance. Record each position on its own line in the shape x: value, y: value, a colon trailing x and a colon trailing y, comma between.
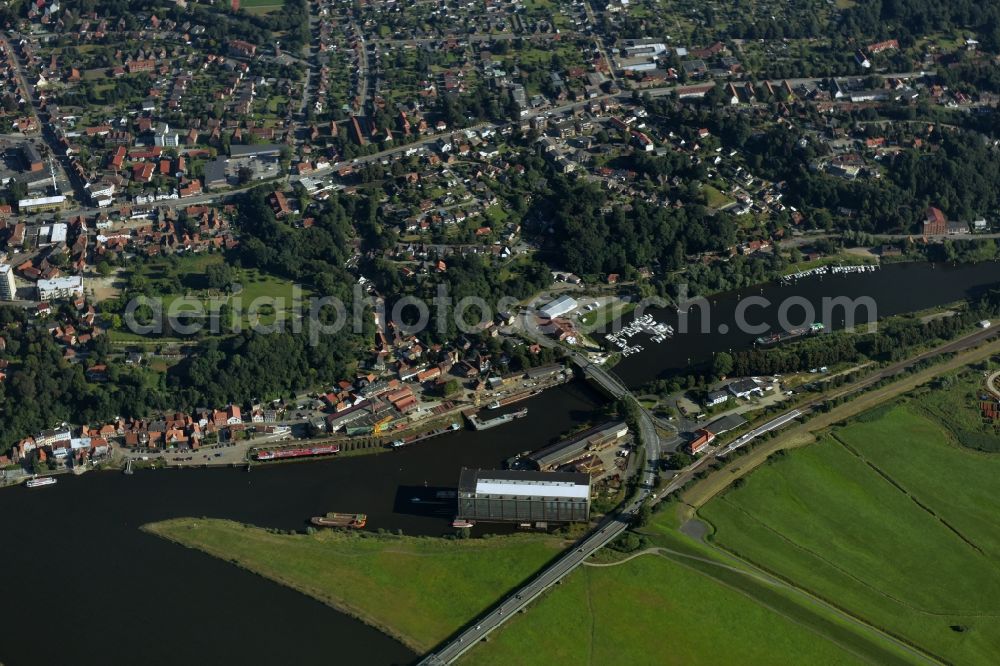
x: 784, y: 336
x: 283, y: 454
x: 351, y: 520
x: 40, y: 481
x: 494, y: 422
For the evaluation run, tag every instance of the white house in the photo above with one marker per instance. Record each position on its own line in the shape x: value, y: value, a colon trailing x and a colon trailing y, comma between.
x: 716, y: 398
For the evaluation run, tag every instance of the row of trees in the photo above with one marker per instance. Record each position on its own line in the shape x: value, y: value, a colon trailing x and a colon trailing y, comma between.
x: 892, y: 342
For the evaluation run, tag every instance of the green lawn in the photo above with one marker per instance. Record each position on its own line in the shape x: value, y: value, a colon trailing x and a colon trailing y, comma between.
x: 887, y: 518
x: 672, y: 609
x: 261, y: 3
x: 714, y: 198
x: 602, y: 316
x: 184, y: 287
x: 419, y: 590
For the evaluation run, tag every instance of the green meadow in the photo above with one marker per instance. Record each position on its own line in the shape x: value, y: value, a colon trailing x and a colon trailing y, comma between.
x: 888, y: 518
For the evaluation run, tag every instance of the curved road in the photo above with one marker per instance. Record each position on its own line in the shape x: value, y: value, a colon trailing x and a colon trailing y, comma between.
x: 991, y: 384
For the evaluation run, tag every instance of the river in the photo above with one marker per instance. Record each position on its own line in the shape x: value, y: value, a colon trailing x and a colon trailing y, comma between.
x: 85, y: 586
x: 895, y: 289
x: 78, y: 567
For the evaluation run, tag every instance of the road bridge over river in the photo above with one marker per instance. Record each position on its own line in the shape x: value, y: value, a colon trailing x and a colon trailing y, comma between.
x: 608, y: 530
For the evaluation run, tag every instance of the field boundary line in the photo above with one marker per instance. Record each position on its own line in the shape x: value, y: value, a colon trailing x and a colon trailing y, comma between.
x: 764, y: 576
x: 805, y: 433
x: 832, y: 565
x: 593, y: 620
x: 909, y: 495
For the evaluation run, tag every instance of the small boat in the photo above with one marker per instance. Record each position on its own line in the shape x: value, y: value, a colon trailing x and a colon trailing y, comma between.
x: 454, y: 426
x: 494, y: 405
x: 41, y: 481
x: 461, y: 522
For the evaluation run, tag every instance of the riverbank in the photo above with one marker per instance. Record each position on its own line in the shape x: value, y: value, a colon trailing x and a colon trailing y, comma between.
x: 418, y: 590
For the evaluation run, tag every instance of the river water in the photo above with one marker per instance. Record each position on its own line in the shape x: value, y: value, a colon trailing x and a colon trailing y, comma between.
x: 79, y: 568
x: 895, y: 289
x: 85, y: 586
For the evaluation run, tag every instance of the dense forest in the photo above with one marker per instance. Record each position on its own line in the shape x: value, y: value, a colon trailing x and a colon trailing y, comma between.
x: 905, y: 20
x: 592, y: 239
x: 314, y: 256
x: 255, y: 366
x: 908, y: 19
x: 957, y: 176
x: 43, y: 389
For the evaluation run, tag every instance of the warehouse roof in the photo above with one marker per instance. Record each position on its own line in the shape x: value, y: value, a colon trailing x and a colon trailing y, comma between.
x: 559, y: 306
x: 528, y: 484
x: 578, y: 443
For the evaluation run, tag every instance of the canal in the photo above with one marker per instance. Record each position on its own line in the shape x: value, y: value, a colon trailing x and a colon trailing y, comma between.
x: 84, y: 586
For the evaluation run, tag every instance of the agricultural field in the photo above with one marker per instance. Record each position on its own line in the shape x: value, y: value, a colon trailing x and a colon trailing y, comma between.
x: 888, y: 518
x: 677, y: 603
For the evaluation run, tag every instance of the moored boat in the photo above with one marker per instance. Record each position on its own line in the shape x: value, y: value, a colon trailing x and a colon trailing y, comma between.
x: 41, y: 481
x: 782, y: 336
x: 281, y: 454
x: 332, y: 519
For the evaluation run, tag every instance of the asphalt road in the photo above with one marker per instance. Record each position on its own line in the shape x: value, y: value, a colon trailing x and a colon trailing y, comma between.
x: 991, y: 384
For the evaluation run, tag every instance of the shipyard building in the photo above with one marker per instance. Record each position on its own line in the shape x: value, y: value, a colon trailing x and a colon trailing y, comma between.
x: 523, y: 497
x: 602, y: 437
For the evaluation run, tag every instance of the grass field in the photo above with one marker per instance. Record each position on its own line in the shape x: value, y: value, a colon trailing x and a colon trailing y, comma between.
x: 958, y: 409
x: 887, y: 518
x: 714, y: 198
x: 679, y: 605
x: 802, y: 435
x: 602, y: 316
x: 419, y: 590
x: 651, y: 610
x: 270, y: 4
x: 184, y: 287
